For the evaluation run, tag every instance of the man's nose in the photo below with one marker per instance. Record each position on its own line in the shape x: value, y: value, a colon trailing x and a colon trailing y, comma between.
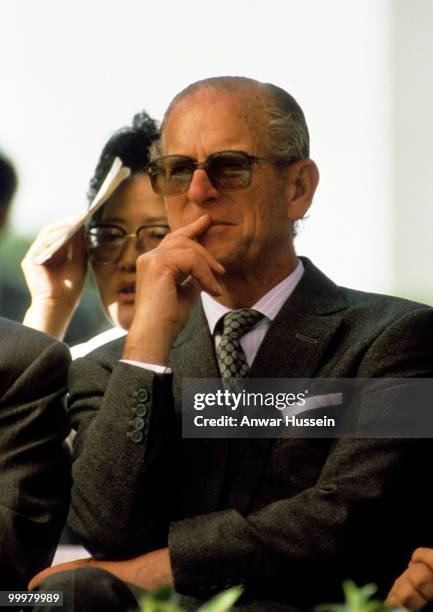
x: 128, y: 255
x: 201, y: 190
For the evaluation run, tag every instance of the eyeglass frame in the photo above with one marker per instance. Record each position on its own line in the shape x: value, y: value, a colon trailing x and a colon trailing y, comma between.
x: 203, y: 165
x: 126, y: 236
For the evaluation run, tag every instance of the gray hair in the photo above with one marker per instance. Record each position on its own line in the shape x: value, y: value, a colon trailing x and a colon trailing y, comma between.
x: 286, y: 132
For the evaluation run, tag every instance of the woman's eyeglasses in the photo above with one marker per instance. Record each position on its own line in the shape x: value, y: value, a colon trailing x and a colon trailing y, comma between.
x: 227, y: 171
x: 105, y: 243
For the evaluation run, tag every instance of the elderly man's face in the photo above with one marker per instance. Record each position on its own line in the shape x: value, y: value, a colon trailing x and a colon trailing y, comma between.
x: 250, y: 226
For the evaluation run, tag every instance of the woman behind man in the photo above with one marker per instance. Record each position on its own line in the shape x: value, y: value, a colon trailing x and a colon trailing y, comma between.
x: 133, y: 220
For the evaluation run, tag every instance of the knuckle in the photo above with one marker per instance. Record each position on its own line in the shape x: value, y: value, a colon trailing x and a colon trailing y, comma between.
x: 404, y: 594
x: 418, y: 551
x: 156, y: 259
x: 397, y: 587
x: 420, y: 576
x: 142, y: 260
x: 168, y: 238
x: 422, y: 553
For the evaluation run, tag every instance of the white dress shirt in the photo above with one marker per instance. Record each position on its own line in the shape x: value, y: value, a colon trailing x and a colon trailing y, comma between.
x: 269, y: 305
x: 82, y: 349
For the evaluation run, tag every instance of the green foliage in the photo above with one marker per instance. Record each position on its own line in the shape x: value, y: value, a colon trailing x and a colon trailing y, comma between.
x: 356, y: 599
x: 12, y: 251
x: 223, y: 601
x: 165, y: 599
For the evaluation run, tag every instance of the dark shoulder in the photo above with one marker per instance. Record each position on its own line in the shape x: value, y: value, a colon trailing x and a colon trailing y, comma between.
x: 29, y: 357
x: 375, y: 333
x: 95, y: 368
x: 382, y: 308
x: 19, y: 341
x: 392, y: 336
x: 316, y: 293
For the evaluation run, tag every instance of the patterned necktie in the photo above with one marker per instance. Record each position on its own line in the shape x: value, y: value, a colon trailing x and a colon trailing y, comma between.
x: 230, y: 354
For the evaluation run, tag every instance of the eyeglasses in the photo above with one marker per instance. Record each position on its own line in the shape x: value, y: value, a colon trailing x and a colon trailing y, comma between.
x: 105, y: 243
x: 227, y: 171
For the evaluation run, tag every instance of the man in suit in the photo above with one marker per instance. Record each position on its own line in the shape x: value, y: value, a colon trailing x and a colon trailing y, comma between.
x: 290, y: 519
x: 34, y: 465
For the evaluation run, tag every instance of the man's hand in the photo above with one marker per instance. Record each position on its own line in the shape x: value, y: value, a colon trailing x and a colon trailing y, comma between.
x: 148, y: 571
x: 169, y: 280
x: 414, y: 588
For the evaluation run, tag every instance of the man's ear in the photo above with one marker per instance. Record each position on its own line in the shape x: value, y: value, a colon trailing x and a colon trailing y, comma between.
x: 302, y: 180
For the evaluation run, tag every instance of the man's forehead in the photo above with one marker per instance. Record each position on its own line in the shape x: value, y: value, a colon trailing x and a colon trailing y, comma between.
x: 213, y: 112
x: 206, y: 100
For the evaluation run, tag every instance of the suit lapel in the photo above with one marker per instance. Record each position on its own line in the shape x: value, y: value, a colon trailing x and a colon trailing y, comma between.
x: 302, y: 330
x: 294, y: 347
x: 193, y: 353
x: 204, y: 460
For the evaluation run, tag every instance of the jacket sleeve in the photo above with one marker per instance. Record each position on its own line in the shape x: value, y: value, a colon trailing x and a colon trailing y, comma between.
x: 122, y: 454
x: 34, y: 461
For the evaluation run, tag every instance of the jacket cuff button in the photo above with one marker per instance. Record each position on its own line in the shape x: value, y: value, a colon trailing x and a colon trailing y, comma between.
x: 138, y: 423
x: 136, y: 436
x: 141, y: 410
x: 142, y: 395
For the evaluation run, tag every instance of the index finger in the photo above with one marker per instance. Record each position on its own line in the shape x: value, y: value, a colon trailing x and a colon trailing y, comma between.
x: 194, y: 229
x: 423, y: 555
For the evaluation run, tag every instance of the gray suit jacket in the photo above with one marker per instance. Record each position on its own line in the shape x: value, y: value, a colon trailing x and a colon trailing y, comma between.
x: 34, y: 466
x: 289, y: 518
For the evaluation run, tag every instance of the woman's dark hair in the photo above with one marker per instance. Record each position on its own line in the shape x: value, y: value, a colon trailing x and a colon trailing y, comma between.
x: 8, y: 181
x: 131, y: 144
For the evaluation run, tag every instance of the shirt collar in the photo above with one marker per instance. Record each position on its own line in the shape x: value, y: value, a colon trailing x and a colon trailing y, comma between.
x: 268, y: 305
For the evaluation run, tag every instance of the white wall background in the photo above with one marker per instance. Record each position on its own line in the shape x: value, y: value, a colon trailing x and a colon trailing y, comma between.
x: 413, y: 148
x: 72, y: 72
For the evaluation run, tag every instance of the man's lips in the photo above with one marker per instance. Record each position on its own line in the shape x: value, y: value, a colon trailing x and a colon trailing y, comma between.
x: 215, y: 230
x: 218, y: 224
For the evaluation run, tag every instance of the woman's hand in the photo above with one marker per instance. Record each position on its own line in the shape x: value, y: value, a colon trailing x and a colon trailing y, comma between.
x: 56, y: 285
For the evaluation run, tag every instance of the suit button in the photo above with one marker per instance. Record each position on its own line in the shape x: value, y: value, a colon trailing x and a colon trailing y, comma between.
x: 136, y: 436
x: 138, y: 423
x: 142, y: 395
x: 141, y: 410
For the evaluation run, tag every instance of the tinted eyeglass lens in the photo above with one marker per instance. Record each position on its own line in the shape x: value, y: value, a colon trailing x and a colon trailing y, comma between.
x: 171, y: 175
x: 229, y: 171
x: 105, y: 243
x: 148, y: 238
